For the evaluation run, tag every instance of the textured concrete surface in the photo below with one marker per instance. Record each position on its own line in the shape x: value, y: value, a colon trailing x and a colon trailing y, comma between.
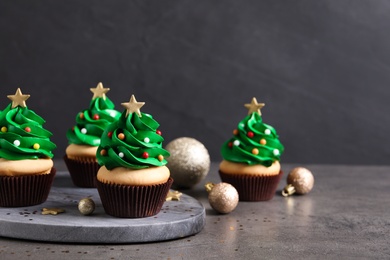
x: 346, y: 216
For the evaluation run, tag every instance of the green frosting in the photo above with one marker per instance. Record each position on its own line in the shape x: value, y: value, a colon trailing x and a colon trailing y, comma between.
x: 91, y: 123
x: 250, y: 134
x: 132, y: 142
x: 22, y: 135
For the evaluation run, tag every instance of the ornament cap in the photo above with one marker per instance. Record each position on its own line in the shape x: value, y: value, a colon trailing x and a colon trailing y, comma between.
x: 209, y: 186
x: 288, y: 190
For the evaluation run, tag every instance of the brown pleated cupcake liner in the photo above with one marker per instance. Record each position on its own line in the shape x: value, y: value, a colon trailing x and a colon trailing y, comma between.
x: 23, y: 191
x: 253, y: 187
x: 82, y: 173
x: 133, y: 201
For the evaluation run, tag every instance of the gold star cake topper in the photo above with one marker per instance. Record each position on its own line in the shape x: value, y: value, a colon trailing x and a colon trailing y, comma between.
x: 173, y: 195
x: 99, y: 91
x: 133, y: 106
x: 18, y: 99
x: 254, y: 106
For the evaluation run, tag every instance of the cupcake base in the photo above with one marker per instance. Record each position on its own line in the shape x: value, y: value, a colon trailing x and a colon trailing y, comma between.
x: 133, y: 201
x: 253, y: 187
x: 82, y: 173
x: 23, y: 191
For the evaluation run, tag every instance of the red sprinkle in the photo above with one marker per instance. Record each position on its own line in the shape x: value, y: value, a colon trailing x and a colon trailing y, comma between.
x: 109, y: 134
x: 145, y: 155
x: 27, y: 129
x: 250, y: 134
x: 230, y: 144
x: 96, y: 117
x: 158, y: 132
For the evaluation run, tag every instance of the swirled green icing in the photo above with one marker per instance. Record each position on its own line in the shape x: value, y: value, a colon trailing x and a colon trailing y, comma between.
x: 252, y: 134
x: 22, y: 135
x: 140, y: 136
x: 91, y: 122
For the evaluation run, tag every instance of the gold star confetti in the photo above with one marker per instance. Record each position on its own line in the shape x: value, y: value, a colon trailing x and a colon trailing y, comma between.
x: 254, y: 106
x: 18, y: 99
x: 173, y: 195
x: 133, y: 106
x: 99, y: 91
x: 52, y: 211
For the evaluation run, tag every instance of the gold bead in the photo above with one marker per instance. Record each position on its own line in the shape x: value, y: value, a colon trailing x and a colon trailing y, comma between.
x: 160, y: 157
x: 235, y: 132
x: 36, y: 146
x: 86, y: 206
x: 121, y: 136
x: 4, y: 129
x: 263, y: 142
x: 255, y: 151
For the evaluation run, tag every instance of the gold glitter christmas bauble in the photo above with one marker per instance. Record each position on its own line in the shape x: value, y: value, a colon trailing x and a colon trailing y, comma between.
x: 300, y: 181
x: 188, y: 163
x: 223, y: 197
x: 86, y: 206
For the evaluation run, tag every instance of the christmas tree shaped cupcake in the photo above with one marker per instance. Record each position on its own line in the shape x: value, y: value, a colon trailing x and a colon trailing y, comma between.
x: 26, y: 166
x: 251, y: 157
x: 84, y: 138
x: 133, y: 180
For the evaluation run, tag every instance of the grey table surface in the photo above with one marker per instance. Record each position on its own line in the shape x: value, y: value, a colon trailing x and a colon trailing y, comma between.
x: 345, y: 216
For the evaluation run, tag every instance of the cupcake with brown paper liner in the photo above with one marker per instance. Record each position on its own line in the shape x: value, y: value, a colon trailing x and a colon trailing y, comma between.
x: 251, y: 157
x: 133, y: 180
x: 26, y: 165
x: 84, y: 138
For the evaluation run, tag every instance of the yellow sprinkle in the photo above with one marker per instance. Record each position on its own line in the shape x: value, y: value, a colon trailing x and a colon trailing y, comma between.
x: 36, y: 146
x: 4, y: 129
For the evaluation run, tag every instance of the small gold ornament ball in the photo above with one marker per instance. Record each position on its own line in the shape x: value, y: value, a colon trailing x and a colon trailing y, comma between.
x: 189, y: 161
x: 223, y: 197
x: 86, y: 206
x: 301, y: 179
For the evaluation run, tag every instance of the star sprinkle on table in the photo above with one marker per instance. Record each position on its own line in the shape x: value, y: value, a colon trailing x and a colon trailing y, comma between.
x: 52, y: 211
x: 173, y: 195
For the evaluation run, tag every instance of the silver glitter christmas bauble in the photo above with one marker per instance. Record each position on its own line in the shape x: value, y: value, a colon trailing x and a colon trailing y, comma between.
x: 223, y: 197
x: 188, y: 163
x: 300, y: 181
x: 86, y: 206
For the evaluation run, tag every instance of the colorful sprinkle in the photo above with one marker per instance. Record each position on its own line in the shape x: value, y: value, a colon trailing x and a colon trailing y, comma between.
x: 121, y: 155
x: 81, y: 115
x: 250, y: 134
x: 4, y: 129
x: 83, y: 130
x: 36, y: 146
x: 145, y: 155
x: 27, y: 129
x: 146, y: 140
x: 230, y: 144
x: 16, y: 142
x: 263, y: 141
x: 103, y: 152
x: 255, y: 151
x: 160, y: 157
x: 158, y: 132
x: 276, y: 152
x: 109, y: 134
x: 96, y: 116
x: 235, y: 132
x: 121, y: 136
x: 267, y: 132
x: 236, y: 142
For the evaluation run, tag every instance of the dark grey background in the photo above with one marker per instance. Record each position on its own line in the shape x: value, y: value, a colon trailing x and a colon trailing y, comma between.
x: 321, y: 67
